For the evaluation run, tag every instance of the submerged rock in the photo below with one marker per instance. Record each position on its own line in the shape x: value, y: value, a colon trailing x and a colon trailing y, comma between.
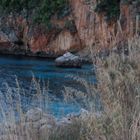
x: 69, y: 60
x: 37, y: 115
x: 34, y: 115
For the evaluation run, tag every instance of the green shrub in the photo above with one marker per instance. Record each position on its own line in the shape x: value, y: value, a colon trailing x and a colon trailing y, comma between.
x: 111, y: 9
x: 17, y: 5
x: 43, y: 9
x: 49, y: 8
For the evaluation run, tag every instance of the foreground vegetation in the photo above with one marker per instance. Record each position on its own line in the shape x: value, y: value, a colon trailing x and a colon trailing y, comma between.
x: 119, y: 89
x: 116, y: 116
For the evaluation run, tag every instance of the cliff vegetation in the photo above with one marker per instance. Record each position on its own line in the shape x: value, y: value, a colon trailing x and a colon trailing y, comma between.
x: 42, y: 10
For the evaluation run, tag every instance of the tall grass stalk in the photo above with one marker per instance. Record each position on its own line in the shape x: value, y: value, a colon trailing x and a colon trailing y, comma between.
x: 118, y: 86
x: 112, y: 104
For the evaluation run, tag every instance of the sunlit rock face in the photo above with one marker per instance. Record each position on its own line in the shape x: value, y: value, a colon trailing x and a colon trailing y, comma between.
x: 87, y: 29
x: 54, y: 46
x: 35, y: 40
x: 93, y: 29
x: 85, y: 21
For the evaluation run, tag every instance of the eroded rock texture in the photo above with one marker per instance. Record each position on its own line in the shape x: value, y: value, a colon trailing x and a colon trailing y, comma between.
x: 83, y: 27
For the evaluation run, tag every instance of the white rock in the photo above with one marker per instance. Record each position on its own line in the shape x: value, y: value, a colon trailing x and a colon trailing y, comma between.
x: 64, y: 121
x: 34, y: 115
x: 68, y: 60
x: 83, y: 113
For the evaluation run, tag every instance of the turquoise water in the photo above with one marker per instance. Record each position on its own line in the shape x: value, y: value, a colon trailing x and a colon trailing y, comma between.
x: 25, y: 68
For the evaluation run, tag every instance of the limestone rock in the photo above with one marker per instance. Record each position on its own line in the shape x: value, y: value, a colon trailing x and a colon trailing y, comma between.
x: 68, y: 60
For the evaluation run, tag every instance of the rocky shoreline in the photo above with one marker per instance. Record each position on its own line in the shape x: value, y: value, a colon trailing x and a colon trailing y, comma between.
x: 36, y: 122
x: 69, y: 60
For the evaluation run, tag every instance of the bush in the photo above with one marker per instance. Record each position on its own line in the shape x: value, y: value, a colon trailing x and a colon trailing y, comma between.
x: 48, y: 8
x: 43, y: 9
x: 111, y: 8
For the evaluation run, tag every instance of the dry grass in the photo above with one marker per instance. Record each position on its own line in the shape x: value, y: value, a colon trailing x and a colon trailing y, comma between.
x: 118, y: 87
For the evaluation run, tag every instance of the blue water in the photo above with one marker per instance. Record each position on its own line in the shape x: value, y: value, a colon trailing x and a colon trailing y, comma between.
x: 25, y: 68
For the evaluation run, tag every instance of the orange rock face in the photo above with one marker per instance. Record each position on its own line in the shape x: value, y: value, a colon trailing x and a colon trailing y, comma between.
x: 94, y: 30
x: 63, y: 42
x: 91, y: 29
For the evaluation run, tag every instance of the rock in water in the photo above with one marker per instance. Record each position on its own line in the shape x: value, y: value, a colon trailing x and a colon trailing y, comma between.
x: 68, y: 60
x: 34, y: 115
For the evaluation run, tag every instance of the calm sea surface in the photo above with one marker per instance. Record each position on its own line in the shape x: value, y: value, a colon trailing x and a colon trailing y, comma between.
x: 52, y: 78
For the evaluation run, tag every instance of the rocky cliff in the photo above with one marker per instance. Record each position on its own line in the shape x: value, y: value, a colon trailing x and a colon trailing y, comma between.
x: 82, y: 27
